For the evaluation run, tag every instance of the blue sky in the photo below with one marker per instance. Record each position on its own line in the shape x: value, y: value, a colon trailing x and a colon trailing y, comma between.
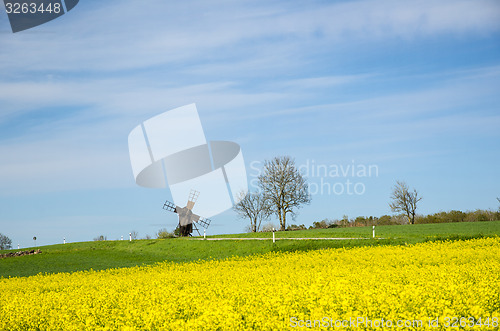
x: 411, y: 87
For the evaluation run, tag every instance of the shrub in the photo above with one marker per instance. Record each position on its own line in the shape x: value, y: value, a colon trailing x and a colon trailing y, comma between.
x: 268, y: 227
x: 295, y: 227
x: 164, y: 234
x: 325, y: 224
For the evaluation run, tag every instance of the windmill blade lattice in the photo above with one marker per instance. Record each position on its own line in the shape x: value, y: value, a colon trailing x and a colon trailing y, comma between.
x: 169, y: 206
x: 193, y: 197
x: 204, y: 222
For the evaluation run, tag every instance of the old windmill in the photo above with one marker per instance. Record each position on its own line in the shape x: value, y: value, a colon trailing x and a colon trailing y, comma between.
x: 187, y: 219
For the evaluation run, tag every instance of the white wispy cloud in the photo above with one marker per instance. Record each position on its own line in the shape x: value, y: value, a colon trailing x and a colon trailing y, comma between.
x: 121, y: 35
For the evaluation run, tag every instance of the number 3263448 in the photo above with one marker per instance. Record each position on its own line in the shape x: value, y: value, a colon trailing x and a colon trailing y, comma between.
x: 455, y: 322
x: 32, y: 8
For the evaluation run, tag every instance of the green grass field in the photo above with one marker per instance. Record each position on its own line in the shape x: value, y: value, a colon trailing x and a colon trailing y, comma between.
x: 418, y: 232
x: 117, y: 254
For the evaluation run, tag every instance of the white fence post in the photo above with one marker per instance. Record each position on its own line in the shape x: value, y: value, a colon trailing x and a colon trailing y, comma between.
x: 204, y: 234
x: 64, y: 240
x: 374, y: 231
x: 274, y: 238
x: 130, y: 236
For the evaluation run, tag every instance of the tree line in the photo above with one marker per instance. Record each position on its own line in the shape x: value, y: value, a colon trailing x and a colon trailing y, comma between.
x: 440, y: 217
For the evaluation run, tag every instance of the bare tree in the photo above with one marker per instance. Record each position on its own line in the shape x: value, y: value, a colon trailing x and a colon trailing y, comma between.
x: 5, y: 242
x: 284, y: 186
x: 134, y: 235
x: 404, y: 200
x: 254, y: 207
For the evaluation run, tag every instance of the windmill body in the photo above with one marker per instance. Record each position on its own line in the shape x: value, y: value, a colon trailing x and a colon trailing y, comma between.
x: 187, y: 219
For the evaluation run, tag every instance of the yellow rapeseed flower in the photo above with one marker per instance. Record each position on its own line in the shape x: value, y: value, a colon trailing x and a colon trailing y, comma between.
x: 434, y: 286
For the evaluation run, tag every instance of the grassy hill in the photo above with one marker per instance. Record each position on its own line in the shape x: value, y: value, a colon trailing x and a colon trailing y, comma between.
x: 117, y: 254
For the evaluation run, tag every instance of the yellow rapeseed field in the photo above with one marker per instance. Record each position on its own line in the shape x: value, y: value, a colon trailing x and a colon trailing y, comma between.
x: 434, y: 286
